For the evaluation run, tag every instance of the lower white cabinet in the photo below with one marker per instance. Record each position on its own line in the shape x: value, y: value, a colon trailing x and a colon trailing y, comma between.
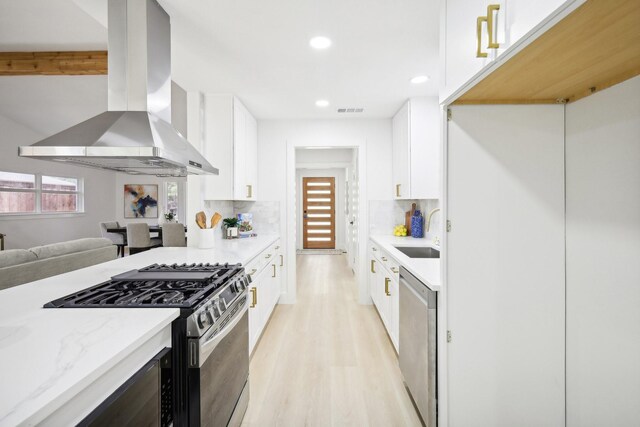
x: 384, y: 289
x: 266, y: 279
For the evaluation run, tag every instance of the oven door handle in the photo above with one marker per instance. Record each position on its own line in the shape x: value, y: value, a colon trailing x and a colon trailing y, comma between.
x: 210, y: 344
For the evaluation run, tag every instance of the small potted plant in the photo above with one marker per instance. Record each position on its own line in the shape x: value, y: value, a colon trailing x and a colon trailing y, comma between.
x: 169, y: 217
x: 230, y: 228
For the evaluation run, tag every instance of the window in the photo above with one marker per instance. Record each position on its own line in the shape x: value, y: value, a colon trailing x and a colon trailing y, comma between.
x: 172, y: 198
x: 22, y: 193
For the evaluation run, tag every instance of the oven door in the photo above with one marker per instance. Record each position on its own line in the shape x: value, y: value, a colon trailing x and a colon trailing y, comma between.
x: 218, y: 375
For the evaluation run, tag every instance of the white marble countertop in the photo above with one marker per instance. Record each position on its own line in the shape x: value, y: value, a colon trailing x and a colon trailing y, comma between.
x: 427, y: 270
x: 49, y: 356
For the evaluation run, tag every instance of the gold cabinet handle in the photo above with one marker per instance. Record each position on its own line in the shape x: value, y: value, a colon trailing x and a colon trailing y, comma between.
x: 395, y: 270
x: 386, y: 286
x: 384, y: 259
x: 374, y: 249
x: 254, y: 297
x: 373, y: 265
x: 281, y: 260
x: 253, y: 272
x: 267, y: 256
x: 249, y: 191
x: 490, y: 19
x: 479, y: 52
x: 274, y: 270
x: 277, y: 247
x: 398, y: 190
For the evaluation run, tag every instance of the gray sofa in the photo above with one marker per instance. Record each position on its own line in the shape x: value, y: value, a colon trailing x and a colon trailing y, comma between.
x: 18, y: 266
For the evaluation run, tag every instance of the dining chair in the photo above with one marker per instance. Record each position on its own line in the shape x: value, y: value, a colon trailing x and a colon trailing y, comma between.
x: 118, y: 239
x: 139, y: 239
x: 173, y: 235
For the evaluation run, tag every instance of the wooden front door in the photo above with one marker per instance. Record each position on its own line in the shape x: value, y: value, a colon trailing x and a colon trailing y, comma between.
x: 319, y: 213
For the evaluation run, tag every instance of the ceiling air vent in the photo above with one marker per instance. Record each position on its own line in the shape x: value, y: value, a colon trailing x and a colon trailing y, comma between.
x: 350, y: 110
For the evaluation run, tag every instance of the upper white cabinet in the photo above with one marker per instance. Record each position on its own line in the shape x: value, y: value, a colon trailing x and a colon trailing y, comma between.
x: 476, y: 32
x: 231, y: 142
x: 416, y: 150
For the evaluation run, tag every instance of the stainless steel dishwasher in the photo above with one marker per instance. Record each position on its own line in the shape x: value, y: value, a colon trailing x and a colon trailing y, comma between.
x: 417, y: 352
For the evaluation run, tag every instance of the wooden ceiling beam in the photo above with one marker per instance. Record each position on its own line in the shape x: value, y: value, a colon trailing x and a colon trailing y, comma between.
x: 74, y: 63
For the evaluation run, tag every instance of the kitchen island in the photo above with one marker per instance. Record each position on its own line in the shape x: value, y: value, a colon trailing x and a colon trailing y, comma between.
x: 57, y: 365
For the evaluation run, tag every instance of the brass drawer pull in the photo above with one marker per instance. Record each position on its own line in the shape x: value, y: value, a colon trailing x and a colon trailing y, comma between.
x: 395, y: 270
x: 386, y: 286
x: 373, y: 264
x: 384, y: 259
x: 281, y: 260
x: 490, y: 20
x: 274, y: 270
x: 254, y: 297
x: 253, y: 272
x: 479, y: 52
x: 249, y: 191
x: 398, y: 190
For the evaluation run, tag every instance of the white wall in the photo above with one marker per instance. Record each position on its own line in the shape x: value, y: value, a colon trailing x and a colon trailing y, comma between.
x: 340, y: 176
x: 272, y: 143
x: 334, y: 155
x: 603, y: 254
x: 26, y: 232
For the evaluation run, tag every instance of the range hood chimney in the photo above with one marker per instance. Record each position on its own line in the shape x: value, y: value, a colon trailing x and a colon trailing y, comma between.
x: 135, y: 134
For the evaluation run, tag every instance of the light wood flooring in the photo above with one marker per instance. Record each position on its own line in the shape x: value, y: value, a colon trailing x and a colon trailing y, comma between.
x: 326, y: 361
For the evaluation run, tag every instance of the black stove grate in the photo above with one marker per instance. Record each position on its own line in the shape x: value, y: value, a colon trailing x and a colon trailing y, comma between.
x: 156, y: 293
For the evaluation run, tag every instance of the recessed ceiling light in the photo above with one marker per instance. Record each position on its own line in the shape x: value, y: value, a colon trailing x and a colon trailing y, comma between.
x: 320, y: 42
x: 322, y: 103
x: 419, y: 79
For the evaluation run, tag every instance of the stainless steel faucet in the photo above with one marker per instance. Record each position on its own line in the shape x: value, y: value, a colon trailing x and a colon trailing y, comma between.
x: 429, y: 217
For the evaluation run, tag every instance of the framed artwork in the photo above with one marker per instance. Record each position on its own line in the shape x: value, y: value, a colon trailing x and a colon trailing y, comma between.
x: 141, y: 200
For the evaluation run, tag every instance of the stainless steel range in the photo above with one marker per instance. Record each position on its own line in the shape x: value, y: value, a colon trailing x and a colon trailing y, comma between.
x: 210, y: 339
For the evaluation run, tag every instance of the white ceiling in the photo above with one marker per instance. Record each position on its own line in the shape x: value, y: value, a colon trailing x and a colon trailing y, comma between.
x: 255, y: 49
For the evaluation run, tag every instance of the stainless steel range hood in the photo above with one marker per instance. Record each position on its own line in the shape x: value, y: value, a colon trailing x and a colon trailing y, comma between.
x: 135, y: 135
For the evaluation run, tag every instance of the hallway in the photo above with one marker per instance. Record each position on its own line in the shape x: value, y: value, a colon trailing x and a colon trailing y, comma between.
x: 326, y: 361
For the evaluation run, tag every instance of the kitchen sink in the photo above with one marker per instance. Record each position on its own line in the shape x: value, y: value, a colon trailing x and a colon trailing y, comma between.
x: 422, y: 252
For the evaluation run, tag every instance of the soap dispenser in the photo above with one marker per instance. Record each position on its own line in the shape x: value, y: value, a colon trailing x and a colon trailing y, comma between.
x: 417, y: 225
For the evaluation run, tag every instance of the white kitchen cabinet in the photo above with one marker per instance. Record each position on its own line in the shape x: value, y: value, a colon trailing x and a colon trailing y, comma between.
x: 459, y: 31
x: 230, y: 141
x: 416, y: 150
x: 466, y: 43
x: 394, y: 312
x: 264, y: 292
x: 384, y: 288
x: 401, y: 153
x: 257, y: 307
x: 505, y: 267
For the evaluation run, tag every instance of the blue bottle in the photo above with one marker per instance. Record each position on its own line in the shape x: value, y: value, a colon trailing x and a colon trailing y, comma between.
x: 417, y: 225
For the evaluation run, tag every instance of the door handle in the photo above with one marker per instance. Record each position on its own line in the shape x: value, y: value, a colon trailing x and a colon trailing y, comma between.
x: 490, y: 20
x: 249, y: 191
x: 479, y: 52
x: 386, y: 286
x: 373, y: 262
x: 398, y: 190
x: 281, y: 260
x: 274, y: 270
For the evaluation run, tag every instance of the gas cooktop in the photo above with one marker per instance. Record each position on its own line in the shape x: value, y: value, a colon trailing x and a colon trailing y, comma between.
x: 159, y: 285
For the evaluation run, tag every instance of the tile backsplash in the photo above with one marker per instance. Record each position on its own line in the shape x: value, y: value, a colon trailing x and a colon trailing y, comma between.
x: 266, y: 215
x: 386, y: 214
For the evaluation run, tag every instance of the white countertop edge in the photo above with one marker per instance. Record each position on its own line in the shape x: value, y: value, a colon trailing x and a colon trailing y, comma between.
x: 41, y: 413
x: 388, y: 242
